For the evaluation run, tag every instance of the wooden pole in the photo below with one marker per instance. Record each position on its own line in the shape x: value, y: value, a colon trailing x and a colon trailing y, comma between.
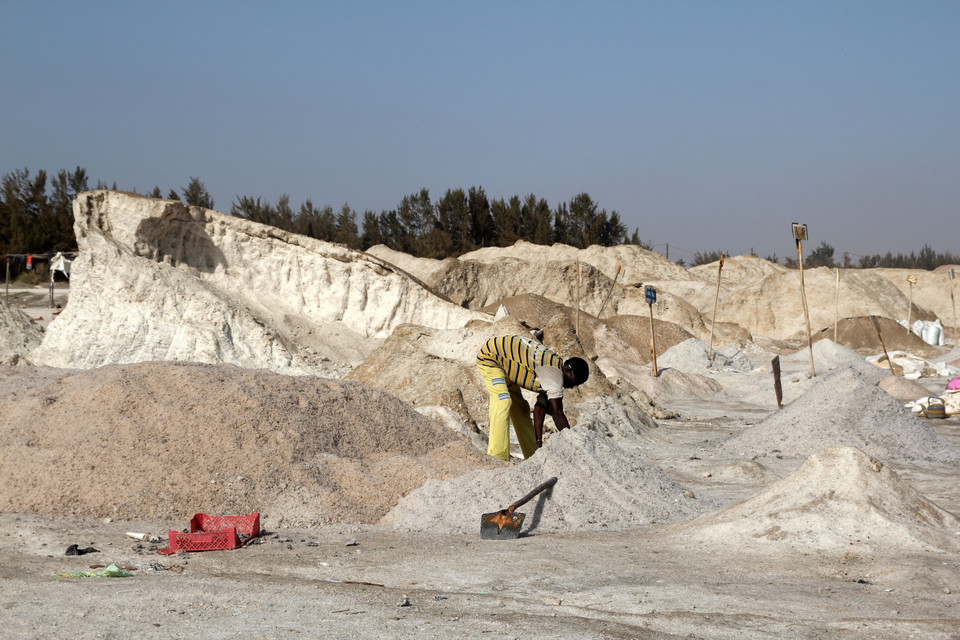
x: 806, y: 313
x: 653, y: 343
x: 619, y: 266
x: 876, y: 325
x: 836, y: 314
x: 8, y: 284
x: 953, y: 302
x: 716, y: 299
x: 909, y: 306
x: 578, y: 299
x: 777, y: 387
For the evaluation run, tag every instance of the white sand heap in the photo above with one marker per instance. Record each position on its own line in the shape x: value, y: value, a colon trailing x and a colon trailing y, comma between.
x: 157, y: 280
x: 599, y: 486
x: 19, y: 335
x: 693, y: 356
x: 840, y: 498
x: 844, y: 409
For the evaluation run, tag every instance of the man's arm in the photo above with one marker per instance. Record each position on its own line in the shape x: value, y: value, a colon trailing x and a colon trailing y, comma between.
x: 538, y: 413
x: 556, y: 410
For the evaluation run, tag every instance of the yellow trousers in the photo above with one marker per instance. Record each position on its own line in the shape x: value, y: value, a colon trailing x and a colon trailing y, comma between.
x: 507, y: 404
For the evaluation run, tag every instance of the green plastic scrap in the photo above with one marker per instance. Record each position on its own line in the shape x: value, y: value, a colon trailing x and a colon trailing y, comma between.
x: 113, y: 571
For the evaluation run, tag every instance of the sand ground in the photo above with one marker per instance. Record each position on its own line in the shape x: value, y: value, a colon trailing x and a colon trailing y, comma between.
x: 347, y: 581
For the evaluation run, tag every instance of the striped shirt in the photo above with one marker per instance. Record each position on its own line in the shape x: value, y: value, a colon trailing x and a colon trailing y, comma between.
x: 519, y: 358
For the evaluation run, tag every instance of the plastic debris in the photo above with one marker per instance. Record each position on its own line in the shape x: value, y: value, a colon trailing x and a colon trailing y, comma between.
x: 113, y: 571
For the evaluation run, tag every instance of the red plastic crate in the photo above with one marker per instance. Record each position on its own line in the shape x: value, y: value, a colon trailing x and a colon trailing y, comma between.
x: 213, y: 533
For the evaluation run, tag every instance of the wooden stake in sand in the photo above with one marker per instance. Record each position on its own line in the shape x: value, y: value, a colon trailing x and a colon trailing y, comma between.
x: 876, y: 325
x: 619, y: 266
x: 836, y: 314
x: 953, y: 302
x: 716, y: 299
x: 800, y: 234
x: 912, y: 280
x: 777, y: 388
x: 651, y: 295
x: 579, y: 282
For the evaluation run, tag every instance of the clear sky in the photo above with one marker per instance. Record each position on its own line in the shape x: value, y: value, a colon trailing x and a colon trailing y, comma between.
x: 708, y: 125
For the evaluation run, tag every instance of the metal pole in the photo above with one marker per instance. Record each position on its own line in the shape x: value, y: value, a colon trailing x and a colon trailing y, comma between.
x: 8, y: 283
x: 577, y: 328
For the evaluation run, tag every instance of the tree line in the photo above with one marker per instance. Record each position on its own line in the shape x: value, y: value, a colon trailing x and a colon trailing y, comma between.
x: 36, y: 216
x: 34, y: 219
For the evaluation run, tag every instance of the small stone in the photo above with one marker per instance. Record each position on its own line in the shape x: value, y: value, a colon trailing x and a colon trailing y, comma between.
x: 352, y: 542
x: 946, y: 590
x: 689, y: 493
x: 404, y: 601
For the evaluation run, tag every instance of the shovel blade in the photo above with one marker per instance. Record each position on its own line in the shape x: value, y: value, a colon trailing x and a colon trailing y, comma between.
x: 501, y: 525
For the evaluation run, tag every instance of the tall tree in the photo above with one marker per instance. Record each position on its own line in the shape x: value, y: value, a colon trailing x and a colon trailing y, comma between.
x: 346, y: 227
x: 195, y: 194
x: 482, y: 231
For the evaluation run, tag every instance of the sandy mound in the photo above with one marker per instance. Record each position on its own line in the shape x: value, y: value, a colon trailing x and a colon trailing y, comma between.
x: 860, y: 335
x: 844, y: 409
x: 157, y: 280
x: 839, y: 498
x: 19, y: 335
x: 737, y: 270
x: 932, y: 290
x: 772, y: 306
x: 600, y: 486
x: 903, y: 389
x: 626, y: 338
x: 165, y: 440
x: 744, y: 472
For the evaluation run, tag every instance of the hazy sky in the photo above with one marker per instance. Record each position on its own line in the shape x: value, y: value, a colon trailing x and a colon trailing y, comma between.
x: 705, y: 124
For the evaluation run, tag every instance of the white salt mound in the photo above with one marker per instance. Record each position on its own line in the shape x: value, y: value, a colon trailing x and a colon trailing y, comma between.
x: 693, y: 356
x: 599, y: 486
x: 844, y: 409
x: 838, y: 498
x: 18, y: 334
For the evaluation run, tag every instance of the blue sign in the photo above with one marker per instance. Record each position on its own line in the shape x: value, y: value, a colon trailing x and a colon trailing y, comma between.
x: 651, y: 294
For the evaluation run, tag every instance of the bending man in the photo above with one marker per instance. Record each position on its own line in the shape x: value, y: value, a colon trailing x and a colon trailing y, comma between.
x: 508, y: 363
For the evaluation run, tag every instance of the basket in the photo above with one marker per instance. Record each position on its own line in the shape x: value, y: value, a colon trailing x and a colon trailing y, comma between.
x: 214, y: 533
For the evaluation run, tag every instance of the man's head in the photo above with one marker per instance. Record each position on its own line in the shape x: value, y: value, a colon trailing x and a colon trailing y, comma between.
x: 575, y: 372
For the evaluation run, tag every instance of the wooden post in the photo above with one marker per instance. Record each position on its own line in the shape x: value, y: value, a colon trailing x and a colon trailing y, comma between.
x: 716, y: 299
x: 777, y: 388
x: 619, y: 267
x: 836, y: 314
x: 912, y: 280
x: 803, y: 297
x: 954, y: 303
x: 8, y: 283
x: 876, y: 325
x: 651, y: 295
x: 653, y: 343
x: 577, y: 329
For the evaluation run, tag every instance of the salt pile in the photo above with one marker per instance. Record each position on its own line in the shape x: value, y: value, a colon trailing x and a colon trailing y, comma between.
x: 838, y: 498
x: 18, y: 334
x: 600, y: 486
x: 165, y: 440
x: 693, y: 356
x: 844, y: 409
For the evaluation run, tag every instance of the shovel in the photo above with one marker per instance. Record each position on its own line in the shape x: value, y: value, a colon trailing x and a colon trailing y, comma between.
x: 505, y: 524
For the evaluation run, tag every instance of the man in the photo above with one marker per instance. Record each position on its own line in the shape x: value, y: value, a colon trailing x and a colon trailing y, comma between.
x: 508, y: 363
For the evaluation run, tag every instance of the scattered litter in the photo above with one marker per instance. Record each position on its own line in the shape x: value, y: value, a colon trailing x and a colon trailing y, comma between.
x: 75, y: 550
x: 143, y: 537
x: 113, y: 571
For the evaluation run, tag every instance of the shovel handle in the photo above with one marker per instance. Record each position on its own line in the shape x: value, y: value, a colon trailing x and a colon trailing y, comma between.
x: 525, y: 499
